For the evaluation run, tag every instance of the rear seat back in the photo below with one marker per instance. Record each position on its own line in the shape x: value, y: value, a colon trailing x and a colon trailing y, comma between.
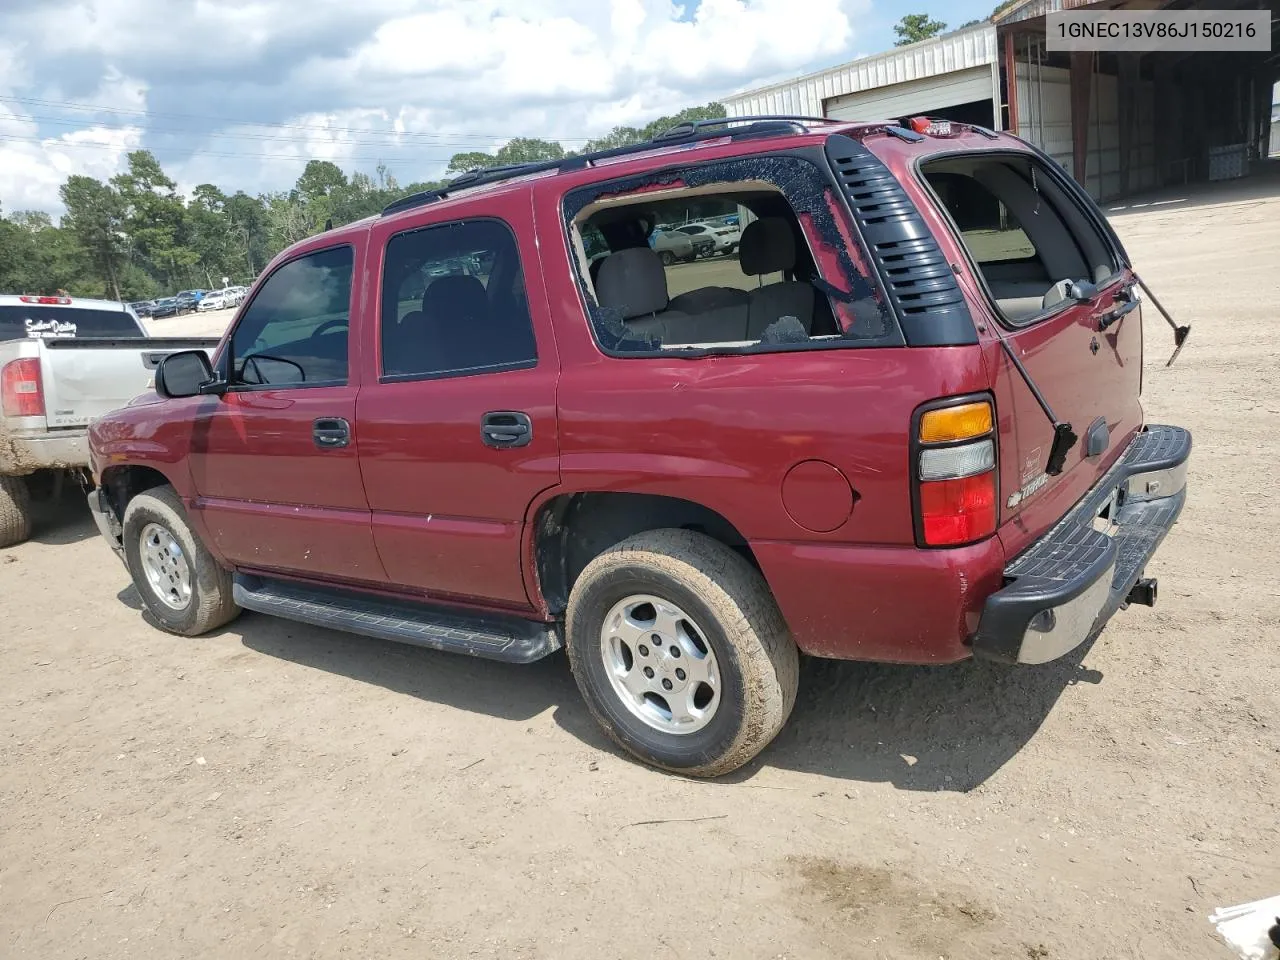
x: 634, y: 282
x: 769, y: 246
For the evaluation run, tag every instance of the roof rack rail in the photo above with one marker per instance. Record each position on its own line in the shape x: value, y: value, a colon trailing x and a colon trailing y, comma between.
x: 688, y: 132
x: 690, y: 127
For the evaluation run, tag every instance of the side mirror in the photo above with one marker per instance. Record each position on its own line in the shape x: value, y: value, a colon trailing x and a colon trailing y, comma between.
x: 183, y: 374
x: 1082, y: 291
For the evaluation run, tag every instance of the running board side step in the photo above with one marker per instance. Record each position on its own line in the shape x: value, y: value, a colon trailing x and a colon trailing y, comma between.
x: 492, y: 636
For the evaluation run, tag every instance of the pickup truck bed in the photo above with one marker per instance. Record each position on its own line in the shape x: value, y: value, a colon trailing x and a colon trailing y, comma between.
x: 55, y: 382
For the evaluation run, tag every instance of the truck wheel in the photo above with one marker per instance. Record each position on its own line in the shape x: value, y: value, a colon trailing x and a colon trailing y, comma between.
x: 179, y: 581
x: 681, y: 652
x: 15, y: 511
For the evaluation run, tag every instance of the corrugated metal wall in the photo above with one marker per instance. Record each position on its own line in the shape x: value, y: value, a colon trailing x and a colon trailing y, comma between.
x: 1044, y: 118
x: 959, y: 51
x: 927, y: 95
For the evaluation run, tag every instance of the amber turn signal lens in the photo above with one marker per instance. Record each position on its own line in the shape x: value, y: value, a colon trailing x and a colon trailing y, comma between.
x: 956, y: 423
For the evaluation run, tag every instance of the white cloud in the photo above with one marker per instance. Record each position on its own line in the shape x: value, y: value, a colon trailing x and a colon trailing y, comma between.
x: 408, y: 81
x: 33, y: 167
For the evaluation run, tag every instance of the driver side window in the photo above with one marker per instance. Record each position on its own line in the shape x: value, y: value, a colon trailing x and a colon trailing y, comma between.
x: 296, y: 329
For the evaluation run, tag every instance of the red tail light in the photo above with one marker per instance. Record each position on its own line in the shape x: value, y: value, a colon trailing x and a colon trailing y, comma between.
x: 21, y: 392
x: 953, y: 512
x: 59, y: 301
x: 954, y: 466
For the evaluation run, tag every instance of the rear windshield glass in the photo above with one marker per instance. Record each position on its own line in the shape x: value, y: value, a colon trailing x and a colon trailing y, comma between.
x: 43, y: 322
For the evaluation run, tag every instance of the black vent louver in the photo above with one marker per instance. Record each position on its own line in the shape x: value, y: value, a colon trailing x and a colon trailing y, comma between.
x: 916, y: 276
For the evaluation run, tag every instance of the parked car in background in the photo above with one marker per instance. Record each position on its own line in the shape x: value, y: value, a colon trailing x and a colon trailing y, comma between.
x: 724, y: 237
x: 672, y: 245
x: 63, y: 362
x: 165, y: 307
x: 189, y: 300
x: 819, y: 449
x: 217, y: 300
x: 142, y: 308
x: 236, y: 295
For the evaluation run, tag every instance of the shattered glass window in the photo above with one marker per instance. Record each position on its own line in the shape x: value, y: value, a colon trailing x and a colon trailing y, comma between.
x: 748, y: 254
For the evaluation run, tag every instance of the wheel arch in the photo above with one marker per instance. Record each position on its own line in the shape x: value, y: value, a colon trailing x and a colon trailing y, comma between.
x: 569, y: 530
x: 122, y: 482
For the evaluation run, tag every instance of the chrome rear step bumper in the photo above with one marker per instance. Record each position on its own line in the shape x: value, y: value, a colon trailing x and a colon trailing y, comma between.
x: 1068, y: 583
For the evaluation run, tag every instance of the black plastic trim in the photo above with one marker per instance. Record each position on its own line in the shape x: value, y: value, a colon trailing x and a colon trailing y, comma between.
x: 493, y: 636
x: 456, y: 372
x: 918, y: 280
x: 1070, y: 558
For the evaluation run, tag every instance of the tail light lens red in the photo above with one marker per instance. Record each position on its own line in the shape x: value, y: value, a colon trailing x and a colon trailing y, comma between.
x: 21, y: 391
x: 953, y: 512
x: 955, y: 473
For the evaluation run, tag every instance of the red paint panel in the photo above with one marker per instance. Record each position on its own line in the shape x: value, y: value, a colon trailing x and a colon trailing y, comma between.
x: 310, y: 540
x: 453, y: 558
x: 893, y: 604
x: 816, y: 496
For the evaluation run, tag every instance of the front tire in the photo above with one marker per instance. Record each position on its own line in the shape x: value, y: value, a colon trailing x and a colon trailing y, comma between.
x: 681, y: 652
x: 180, y: 583
x: 15, y: 511
x: 667, y: 257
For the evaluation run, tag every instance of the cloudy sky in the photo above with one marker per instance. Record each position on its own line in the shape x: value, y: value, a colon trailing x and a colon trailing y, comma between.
x: 242, y: 93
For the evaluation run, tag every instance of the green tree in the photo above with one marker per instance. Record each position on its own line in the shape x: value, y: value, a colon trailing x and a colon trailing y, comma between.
x: 529, y: 150
x: 95, y: 216
x: 209, y: 234
x: 625, y: 136
x: 915, y: 27
x: 519, y: 150
x: 155, y: 222
x: 249, y: 234
x: 287, y: 219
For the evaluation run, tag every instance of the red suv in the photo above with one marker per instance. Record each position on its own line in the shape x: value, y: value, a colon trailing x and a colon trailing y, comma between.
x: 901, y: 424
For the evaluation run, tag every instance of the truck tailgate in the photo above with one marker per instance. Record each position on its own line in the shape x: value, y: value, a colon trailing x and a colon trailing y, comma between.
x: 84, y: 378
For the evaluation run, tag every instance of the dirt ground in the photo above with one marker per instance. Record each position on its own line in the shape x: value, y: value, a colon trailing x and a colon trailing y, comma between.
x: 280, y: 791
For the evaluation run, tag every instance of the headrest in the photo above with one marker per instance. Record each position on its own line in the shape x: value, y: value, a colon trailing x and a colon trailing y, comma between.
x: 767, y: 246
x: 632, y: 281
x: 458, y: 296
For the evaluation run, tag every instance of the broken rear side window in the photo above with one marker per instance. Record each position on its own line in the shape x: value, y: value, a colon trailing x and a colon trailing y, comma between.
x: 744, y: 255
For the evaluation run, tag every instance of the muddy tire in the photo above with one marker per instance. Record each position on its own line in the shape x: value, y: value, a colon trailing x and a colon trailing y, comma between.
x: 15, y: 511
x: 681, y: 652
x: 179, y: 582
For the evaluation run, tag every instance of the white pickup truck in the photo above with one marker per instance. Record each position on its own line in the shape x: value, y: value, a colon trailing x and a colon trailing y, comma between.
x: 63, y: 362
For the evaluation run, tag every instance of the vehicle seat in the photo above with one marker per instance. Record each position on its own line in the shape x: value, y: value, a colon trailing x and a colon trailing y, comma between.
x: 633, y: 282
x: 450, y: 332
x: 769, y: 246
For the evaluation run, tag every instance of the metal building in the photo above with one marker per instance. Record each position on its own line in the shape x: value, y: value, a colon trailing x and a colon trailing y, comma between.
x: 1119, y: 122
x: 956, y: 76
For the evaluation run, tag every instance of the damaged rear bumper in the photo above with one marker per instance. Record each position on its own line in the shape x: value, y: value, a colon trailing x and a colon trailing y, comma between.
x: 1073, y: 579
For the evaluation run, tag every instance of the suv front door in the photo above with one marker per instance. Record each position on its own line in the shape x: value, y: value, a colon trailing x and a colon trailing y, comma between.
x: 458, y: 422
x: 275, y: 462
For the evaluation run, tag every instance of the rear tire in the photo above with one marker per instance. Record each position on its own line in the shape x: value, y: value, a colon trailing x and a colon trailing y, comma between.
x: 15, y: 511
x: 681, y: 652
x: 179, y: 582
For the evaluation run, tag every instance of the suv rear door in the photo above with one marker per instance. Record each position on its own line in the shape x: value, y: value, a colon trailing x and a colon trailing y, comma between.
x: 1061, y: 294
x: 457, y: 420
